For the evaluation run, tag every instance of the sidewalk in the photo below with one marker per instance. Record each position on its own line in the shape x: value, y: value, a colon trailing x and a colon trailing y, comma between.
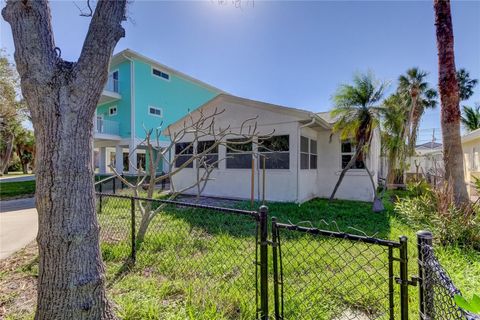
x: 18, y: 225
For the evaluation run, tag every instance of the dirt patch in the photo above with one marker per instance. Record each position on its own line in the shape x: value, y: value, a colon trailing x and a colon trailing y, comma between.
x: 18, y: 283
x: 209, y: 201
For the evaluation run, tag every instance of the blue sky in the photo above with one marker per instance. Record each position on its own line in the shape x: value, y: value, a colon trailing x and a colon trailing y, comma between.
x: 291, y: 53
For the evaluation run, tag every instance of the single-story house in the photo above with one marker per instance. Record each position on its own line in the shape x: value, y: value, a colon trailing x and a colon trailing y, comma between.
x: 305, y: 163
x: 429, y: 159
x: 471, y: 148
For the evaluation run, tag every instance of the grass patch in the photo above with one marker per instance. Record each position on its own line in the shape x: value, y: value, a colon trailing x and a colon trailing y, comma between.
x: 19, y: 189
x: 199, y: 264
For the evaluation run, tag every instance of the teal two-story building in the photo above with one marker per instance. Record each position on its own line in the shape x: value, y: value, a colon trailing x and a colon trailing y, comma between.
x: 141, y: 94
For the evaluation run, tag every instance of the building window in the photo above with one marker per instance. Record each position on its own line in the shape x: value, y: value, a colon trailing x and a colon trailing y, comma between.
x: 183, y: 153
x: 142, y: 161
x: 112, y: 111
x: 313, y: 154
x: 239, y: 154
x: 308, y: 153
x: 160, y: 74
x: 348, y: 151
x: 155, y: 111
x: 276, y: 151
x: 211, y: 153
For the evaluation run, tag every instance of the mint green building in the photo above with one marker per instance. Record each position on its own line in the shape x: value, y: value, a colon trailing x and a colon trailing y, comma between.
x: 141, y: 94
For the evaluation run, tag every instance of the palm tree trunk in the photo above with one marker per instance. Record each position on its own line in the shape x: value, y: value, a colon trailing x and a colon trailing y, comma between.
x: 449, y: 96
x: 5, y: 159
x: 360, y: 146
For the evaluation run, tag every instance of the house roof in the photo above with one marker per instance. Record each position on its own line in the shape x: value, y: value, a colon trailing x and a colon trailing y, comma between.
x: 473, y: 135
x: 303, y: 115
x: 429, y: 145
x: 131, y: 54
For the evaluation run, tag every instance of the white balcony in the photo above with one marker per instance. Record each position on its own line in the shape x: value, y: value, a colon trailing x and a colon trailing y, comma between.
x: 107, y: 129
x: 111, y: 91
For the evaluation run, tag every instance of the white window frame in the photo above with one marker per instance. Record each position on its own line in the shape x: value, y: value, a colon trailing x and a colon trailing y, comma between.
x: 110, y: 111
x: 153, y: 114
x: 157, y: 76
x: 308, y: 153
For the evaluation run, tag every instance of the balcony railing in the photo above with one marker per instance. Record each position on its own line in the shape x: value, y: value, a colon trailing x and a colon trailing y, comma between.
x: 107, y: 127
x: 112, y: 84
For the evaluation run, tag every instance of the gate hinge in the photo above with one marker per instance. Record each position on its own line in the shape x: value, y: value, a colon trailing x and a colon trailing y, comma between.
x: 413, y: 282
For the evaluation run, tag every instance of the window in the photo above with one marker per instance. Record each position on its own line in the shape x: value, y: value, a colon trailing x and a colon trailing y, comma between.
x: 112, y: 111
x: 115, y: 81
x: 276, y: 152
x: 239, y: 154
x: 183, y: 152
x: 211, y: 152
x: 313, y: 154
x: 155, y: 111
x: 308, y: 153
x: 160, y: 74
x: 348, y: 151
x: 141, y: 161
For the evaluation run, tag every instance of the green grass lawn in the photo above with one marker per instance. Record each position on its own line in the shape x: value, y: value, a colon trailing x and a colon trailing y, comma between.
x: 197, y: 264
x: 13, y: 190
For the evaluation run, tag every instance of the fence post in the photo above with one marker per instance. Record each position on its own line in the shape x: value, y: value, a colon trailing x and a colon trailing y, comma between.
x: 134, y: 247
x: 121, y: 182
x: 425, y: 290
x: 275, y: 244
x: 263, y: 263
x: 113, y: 185
x: 100, y: 187
x: 403, y: 278
x: 100, y: 204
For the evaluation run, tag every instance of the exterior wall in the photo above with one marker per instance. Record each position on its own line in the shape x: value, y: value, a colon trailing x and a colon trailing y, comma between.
x: 280, y: 185
x: 356, y: 184
x: 123, y: 105
x: 176, y: 97
x: 471, y: 160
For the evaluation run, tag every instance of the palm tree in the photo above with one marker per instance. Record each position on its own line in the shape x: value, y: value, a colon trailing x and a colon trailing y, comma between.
x: 449, y: 96
x: 357, y: 115
x: 417, y: 92
x: 465, y: 84
x: 394, y: 115
x: 471, y: 117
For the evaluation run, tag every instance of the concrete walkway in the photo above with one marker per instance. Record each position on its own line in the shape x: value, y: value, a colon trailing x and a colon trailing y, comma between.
x: 17, y: 179
x: 18, y: 225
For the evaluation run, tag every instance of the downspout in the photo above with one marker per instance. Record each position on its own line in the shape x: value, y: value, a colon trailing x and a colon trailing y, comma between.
x: 298, y: 152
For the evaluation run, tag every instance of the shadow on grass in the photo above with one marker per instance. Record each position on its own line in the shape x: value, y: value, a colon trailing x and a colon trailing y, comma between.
x: 122, y: 272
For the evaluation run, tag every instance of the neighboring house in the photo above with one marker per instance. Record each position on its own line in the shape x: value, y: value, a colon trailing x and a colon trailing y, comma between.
x: 428, y: 160
x: 140, y: 94
x: 307, y: 166
x: 471, y: 148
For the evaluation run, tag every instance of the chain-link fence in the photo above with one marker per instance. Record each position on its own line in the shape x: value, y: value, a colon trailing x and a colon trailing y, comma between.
x: 205, y: 251
x: 332, y: 275
x: 437, y: 290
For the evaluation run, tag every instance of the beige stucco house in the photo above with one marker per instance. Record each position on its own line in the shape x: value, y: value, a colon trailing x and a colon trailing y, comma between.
x: 471, y: 148
x: 306, y: 166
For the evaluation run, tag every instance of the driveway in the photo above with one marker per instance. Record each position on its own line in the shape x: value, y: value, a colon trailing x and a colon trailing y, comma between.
x: 18, y: 225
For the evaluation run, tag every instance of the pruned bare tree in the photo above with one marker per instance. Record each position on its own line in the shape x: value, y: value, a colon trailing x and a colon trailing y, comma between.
x: 62, y: 97
x: 196, y: 128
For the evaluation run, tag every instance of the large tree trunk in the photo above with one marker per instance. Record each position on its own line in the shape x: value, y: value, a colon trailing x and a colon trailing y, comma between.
x: 449, y: 96
x: 62, y: 97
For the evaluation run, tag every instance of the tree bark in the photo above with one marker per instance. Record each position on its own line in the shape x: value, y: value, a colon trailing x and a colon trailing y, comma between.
x: 62, y: 97
x: 449, y: 97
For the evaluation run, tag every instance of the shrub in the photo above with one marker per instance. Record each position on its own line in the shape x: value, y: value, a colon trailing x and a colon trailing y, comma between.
x: 433, y: 209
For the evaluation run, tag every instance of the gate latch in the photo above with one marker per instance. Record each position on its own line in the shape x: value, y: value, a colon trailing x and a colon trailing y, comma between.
x: 413, y: 282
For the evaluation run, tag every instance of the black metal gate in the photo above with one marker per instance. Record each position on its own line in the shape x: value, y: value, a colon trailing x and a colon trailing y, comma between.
x: 322, y: 274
